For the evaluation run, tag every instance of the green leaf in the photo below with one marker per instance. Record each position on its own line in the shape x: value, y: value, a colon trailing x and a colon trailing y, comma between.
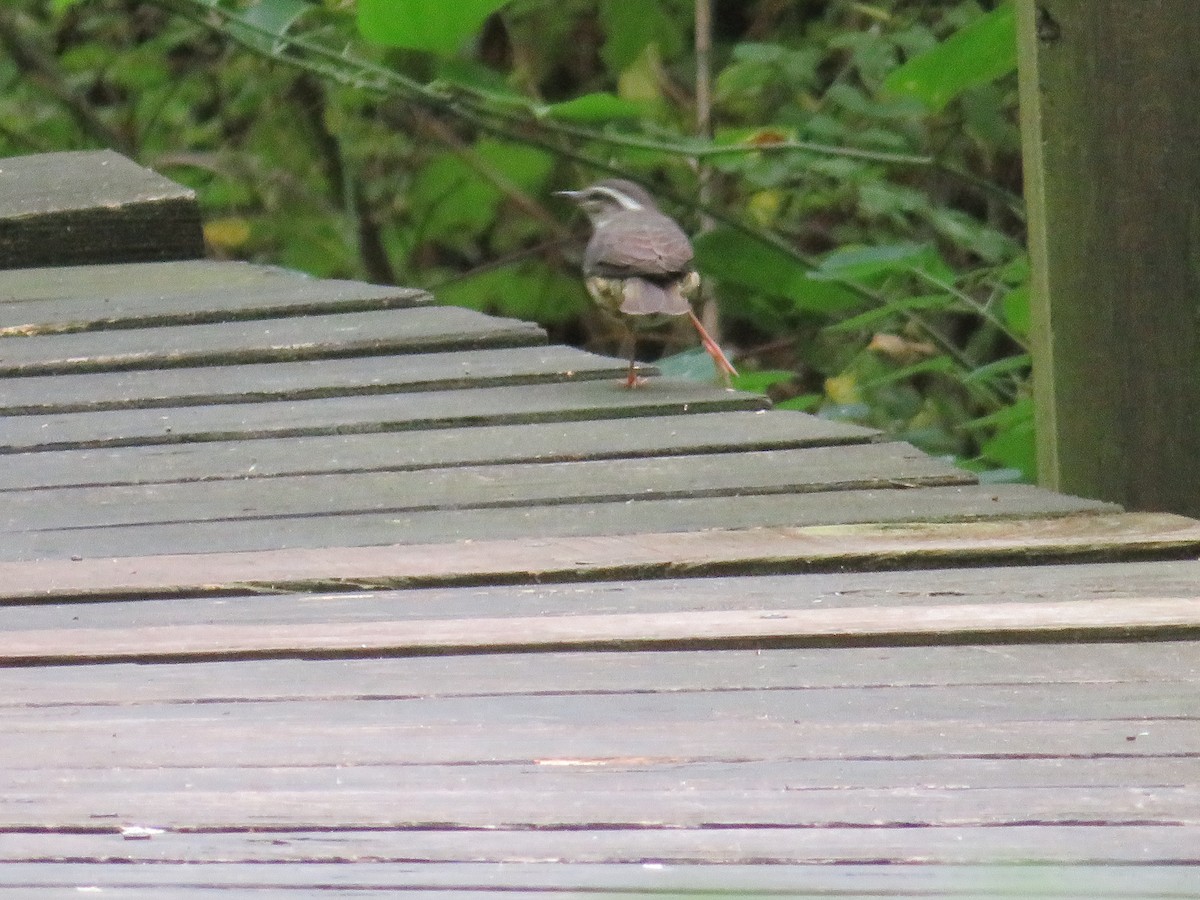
x: 436, y: 26
x: 741, y: 83
x: 736, y: 257
x: 866, y: 263
x: 1014, y: 443
x: 771, y: 54
x: 265, y: 23
x: 872, y: 318
x: 598, y: 107
x: 1015, y: 305
x: 1016, y: 271
x: 630, y: 26
x: 941, y: 365
x: 803, y: 403
x: 1005, y: 366
x: 883, y: 198
x: 979, y: 53
x: 758, y: 382
x: 455, y: 73
x: 454, y: 202
x: 989, y: 244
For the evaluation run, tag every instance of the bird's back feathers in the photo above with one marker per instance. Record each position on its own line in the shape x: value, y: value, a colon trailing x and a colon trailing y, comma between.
x: 644, y: 243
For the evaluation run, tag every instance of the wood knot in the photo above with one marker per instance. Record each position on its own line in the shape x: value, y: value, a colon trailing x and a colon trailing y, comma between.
x: 1048, y: 29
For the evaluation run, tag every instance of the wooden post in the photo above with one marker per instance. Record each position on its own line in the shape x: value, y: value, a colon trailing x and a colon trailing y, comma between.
x: 1110, y: 103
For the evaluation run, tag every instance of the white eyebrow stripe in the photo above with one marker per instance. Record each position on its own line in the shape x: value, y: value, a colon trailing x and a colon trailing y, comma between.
x: 625, y: 201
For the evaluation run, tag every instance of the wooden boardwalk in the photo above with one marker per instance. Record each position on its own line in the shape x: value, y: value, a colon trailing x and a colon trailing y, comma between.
x: 398, y: 598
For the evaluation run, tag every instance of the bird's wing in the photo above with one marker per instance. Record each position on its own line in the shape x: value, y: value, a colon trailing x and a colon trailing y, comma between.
x: 638, y: 243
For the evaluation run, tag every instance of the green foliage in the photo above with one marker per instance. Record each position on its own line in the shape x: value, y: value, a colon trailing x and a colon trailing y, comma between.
x: 862, y: 184
x: 1011, y: 440
x: 433, y: 25
x: 267, y: 22
x: 631, y: 27
x: 596, y: 108
x: 978, y: 54
x: 736, y: 258
x: 867, y: 264
x: 456, y: 199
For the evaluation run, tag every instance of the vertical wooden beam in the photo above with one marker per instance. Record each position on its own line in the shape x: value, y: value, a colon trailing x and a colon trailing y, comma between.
x: 1110, y: 107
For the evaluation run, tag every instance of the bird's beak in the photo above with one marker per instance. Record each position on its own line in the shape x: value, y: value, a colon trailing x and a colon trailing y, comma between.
x: 570, y: 195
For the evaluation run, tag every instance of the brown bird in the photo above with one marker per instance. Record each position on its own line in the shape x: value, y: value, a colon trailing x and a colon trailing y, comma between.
x: 638, y: 264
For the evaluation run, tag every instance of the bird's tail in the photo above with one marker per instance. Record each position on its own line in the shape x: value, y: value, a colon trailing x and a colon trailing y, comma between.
x: 645, y: 298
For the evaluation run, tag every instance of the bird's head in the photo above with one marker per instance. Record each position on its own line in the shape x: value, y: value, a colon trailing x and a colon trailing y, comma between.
x: 605, y: 199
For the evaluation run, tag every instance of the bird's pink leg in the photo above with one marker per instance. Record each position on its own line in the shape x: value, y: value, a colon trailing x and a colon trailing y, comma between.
x: 710, y: 345
x: 633, y: 380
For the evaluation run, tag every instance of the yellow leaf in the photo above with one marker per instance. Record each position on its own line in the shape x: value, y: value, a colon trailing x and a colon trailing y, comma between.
x: 843, y: 389
x: 227, y: 234
x: 764, y: 207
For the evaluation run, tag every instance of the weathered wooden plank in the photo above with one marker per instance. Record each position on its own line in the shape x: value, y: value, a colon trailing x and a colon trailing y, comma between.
x: 1075, y: 620
x: 412, y: 330
x: 1146, y: 718
x: 65, y: 209
x: 1173, y: 667
x: 642, y: 538
x: 556, y: 784
x: 142, y: 388
x: 1135, y: 716
x: 107, y: 281
x: 646, y: 776
x: 1116, y: 857
x: 843, y: 590
x: 638, y: 436
x: 128, y: 303
x: 614, y: 481
x: 672, y: 808
x: 620, y: 738
x: 994, y: 674
x: 635, y: 878
x: 550, y: 732
x: 576, y: 737
x: 330, y: 415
